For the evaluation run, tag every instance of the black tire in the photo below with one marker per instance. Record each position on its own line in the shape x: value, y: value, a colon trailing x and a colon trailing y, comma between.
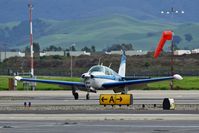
x: 166, y: 104
x: 76, y: 95
x: 87, y: 97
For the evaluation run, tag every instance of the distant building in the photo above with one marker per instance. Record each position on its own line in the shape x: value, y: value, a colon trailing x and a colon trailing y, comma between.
x: 7, y: 54
x: 129, y: 52
x: 182, y: 52
x: 78, y: 53
x: 49, y: 53
x: 64, y: 53
x: 195, y: 51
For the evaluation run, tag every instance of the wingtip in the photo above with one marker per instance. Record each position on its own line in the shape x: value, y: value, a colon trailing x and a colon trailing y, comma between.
x: 18, y: 78
x: 178, y: 77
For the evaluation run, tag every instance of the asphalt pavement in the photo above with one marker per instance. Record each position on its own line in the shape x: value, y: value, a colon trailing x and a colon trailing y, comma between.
x: 66, y: 98
x: 57, y: 111
x: 106, y: 126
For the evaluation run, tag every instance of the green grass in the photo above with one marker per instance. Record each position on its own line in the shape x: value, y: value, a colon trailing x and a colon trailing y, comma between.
x: 188, y: 83
x: 40, y: 86
x: 4, y: 82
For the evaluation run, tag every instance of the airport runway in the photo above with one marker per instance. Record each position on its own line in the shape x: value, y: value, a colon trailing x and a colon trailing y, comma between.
x: 107, y: 126
x: 57, y: 111
x: 61, y: 102
x: 66, y: 98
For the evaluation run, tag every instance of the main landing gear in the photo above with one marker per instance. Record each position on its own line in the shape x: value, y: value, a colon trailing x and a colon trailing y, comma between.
x: 76, y: 95
x: 87, y: 96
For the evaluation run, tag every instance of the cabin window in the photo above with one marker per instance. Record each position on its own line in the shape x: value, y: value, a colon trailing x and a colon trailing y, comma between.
x: 108, y: 71
x: 96, y: 69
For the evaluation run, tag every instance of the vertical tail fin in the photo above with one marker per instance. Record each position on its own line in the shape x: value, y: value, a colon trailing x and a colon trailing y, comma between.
x: 122, y: 69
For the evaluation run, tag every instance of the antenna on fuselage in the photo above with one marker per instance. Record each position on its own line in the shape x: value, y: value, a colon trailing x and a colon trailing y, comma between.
x: 99, y: 61
x: 110, y: 65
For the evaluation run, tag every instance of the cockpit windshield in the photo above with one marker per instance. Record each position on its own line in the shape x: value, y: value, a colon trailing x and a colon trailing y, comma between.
x: 103, y: 69
x: 97, y: 69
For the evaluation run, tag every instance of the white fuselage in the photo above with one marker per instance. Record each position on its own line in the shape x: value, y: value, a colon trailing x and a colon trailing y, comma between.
x: 97, y: 82
x: 99, y: 75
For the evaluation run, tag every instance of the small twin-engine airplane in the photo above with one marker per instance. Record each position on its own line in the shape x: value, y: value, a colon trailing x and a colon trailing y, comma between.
x: 100, y: 77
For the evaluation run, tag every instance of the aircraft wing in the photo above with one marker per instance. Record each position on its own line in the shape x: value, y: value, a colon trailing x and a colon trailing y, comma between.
x: 58, y: 82
x: 139, y: 81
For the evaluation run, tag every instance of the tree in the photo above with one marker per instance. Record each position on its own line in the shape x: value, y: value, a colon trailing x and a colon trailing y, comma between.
x: 53, y: 48
x: 36, y: 47
x: 86, y: 49
x: 93, y: 48
x: 120, y: 46
x: 27, y: 51
x: 72, y: 48
x: 175, y: 47
x: 127, y: 46
x: 188, y: 37
x: 177, y: 39
x: 36, y: 50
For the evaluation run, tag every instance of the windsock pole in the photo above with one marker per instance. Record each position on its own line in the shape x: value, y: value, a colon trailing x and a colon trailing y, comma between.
x: 31, y: 39
x: 31, y: 45
x: 166, y: 35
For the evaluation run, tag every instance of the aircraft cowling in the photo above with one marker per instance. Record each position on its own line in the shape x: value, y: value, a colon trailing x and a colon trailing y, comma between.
x: 166, y: 35
x: 85, y: 75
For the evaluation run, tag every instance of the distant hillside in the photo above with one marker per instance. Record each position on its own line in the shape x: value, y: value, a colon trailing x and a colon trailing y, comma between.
x: 16, y: 10
x: 100, y: 31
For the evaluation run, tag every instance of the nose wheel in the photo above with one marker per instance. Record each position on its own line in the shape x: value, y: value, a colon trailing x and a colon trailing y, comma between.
x: 87, y: 96
x: 125, y: 91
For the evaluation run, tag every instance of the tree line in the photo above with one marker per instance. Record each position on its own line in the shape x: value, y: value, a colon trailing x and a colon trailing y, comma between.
x: 37, y: 49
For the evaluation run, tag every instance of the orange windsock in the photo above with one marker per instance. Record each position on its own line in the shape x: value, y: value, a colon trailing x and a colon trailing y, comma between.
x: 166, y: 35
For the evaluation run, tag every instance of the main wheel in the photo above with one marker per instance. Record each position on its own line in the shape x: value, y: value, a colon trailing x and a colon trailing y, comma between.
x: 76, y: 95
x: 87, y: 96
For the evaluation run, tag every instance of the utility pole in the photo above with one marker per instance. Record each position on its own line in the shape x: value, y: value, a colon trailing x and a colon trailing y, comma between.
x: 71, y: 65
x: 5, y: 51
x: 0, y: 53
x: 172, y: 12
x: 71, y: 59
x: 31, y: 42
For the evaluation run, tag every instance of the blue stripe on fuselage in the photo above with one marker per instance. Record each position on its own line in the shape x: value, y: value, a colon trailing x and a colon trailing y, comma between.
x: 111, y: 77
